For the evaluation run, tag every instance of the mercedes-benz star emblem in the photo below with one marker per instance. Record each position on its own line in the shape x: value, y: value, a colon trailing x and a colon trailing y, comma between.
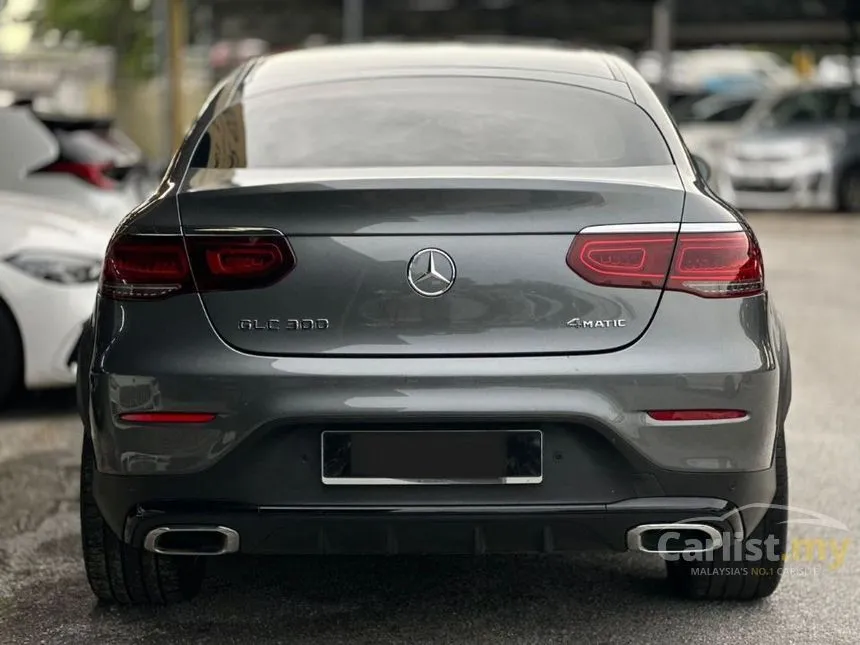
x: 431, y: 272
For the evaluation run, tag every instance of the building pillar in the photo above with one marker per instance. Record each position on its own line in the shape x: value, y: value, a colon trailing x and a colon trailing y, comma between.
x: 177, y: 38
x: 353, y: 21
x: 662, y: 40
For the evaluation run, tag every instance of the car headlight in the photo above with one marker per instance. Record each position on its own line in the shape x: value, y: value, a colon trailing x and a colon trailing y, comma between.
x: 57, y: 267
x: 814, y: 149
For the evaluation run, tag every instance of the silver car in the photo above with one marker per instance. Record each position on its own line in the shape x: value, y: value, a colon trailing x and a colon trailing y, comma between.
x: 433, y: 299
x: 799, y: 149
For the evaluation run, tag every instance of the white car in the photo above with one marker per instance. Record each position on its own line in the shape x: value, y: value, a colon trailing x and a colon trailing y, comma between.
x: 700, y: 66
x: 82, y: 161
x: 50, y: 262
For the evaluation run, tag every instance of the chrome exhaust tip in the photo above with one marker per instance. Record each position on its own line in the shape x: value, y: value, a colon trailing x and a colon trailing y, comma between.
x: 192, y: 540
x: 668, y: 539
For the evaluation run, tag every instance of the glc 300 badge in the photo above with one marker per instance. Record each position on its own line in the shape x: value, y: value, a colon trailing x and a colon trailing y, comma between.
x: 579, y: 323
x: 291, y: 324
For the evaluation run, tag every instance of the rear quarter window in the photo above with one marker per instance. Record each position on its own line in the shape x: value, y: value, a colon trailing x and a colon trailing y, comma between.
x: 432, y: 121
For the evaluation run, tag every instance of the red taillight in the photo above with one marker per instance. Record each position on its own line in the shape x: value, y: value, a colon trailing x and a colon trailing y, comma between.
x: 226, y: 263
x: 696, y: 415
x: 712, y: 265
x: 245, y: 259
x: 167, y: 417
x: 148, y: 267
x: 622, y: 260
x: 93, y: 174
x: 145, y: 267
x: 717, y: 265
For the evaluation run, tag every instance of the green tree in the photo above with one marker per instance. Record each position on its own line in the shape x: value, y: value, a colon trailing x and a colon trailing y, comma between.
x: 105, y: 22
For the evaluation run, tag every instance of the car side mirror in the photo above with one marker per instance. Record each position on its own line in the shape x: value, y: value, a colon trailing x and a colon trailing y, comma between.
x: 702, y: 167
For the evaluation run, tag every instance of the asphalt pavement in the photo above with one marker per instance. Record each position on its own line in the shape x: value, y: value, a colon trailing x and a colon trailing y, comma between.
x: 812, y: 271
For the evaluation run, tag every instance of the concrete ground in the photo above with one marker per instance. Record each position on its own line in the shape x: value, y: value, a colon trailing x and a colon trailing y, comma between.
x: 813, y: 272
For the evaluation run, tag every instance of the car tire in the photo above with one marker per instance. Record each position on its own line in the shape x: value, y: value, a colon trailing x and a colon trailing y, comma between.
x: 849, y: 191
x: 12, y: 365
x: 749, y: 578
x: 123, y: 574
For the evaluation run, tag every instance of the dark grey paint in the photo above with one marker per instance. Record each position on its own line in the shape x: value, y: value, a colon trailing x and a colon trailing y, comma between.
x: 696, y: 353
x: 509, y: 239
x: 506, y: 300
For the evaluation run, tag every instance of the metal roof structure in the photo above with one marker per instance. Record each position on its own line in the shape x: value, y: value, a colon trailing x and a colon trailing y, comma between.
x: 627, y: 23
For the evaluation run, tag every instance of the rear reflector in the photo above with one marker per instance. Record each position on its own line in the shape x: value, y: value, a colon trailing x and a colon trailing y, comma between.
x: 149, y: 267
x: 711, y: 265
x: 167, y: 417
x: 696, y: 415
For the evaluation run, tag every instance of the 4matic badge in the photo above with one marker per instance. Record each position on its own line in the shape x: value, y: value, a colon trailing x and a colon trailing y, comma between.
x: 579, y: 323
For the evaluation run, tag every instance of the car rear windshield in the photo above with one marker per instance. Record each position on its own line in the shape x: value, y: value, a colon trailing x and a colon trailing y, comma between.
x: 432, y: 121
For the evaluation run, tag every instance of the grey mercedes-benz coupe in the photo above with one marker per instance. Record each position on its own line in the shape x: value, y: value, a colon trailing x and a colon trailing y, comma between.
x: 437, y: 299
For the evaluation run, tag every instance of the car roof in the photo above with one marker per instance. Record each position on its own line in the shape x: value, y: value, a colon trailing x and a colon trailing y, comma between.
x: 277, y: 71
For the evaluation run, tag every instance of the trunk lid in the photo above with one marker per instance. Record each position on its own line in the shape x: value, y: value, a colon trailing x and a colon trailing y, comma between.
x: 507, y: 237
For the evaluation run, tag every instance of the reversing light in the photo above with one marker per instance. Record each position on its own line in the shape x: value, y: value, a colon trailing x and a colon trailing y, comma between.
x: 167, y: 417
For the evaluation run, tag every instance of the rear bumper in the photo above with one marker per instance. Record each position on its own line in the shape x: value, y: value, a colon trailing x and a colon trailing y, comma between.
x: 444, y: 529
x: 810, y: 188
x: 456, y: 530
x: 256, y: 468
x: 270, y: 491
x: 698, y: 354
